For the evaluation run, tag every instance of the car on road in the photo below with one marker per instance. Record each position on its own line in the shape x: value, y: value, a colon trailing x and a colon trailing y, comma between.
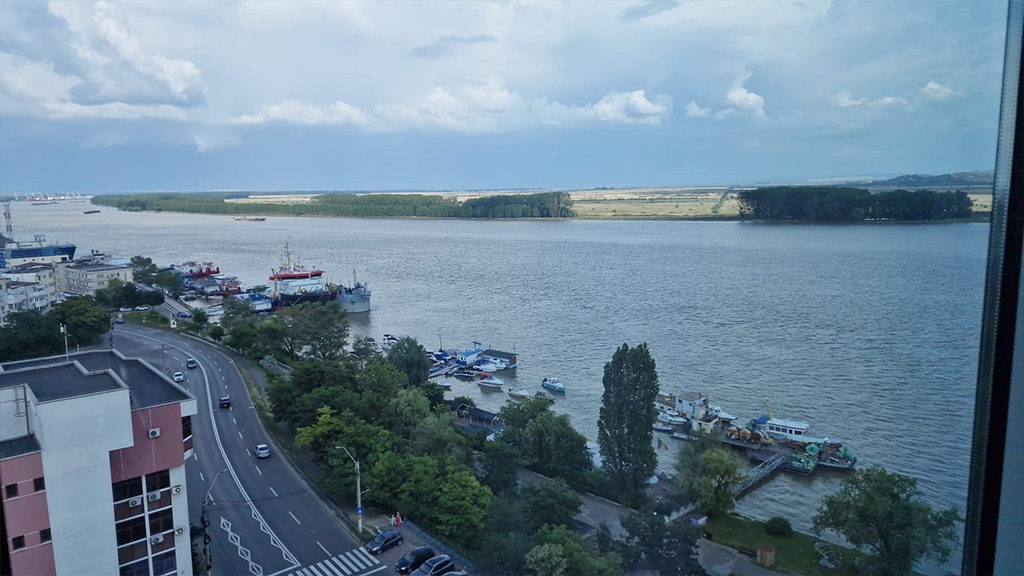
x: 191, y: 363
x: 118, y: 320
x: 179, y: 377
x: 184, y: 314
x: 383, y: 541
x: 262, y: 451
x: 126, y: 310
x: 225, y: 402
x: 414, y: 559
x: 142, y: 308
x: 435, y: 566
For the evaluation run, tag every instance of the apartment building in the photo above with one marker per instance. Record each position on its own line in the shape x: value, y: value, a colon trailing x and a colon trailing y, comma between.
x: 5, y: 283
x: 18, y: 296
x: 92, y: 467
x: 85, y: 279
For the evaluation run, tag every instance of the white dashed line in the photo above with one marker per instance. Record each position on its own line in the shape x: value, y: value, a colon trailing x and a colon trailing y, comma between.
x: 233, y: 420
x: 293, y: 517
x: 274, y: 492
x: 240, y: 434
x: 258, y: 470
x: 247, y: 452
x: 322, y: 548
x: 201, y: 479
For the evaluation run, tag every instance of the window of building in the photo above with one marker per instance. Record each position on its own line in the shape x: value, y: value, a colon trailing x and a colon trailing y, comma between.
x: 158, y: 480
x: 131, y: 530
x: 132, y: 552
x: 186, y: 427
x: 39, y: 484
x: 45, y: 535
x: 165, y: 563
x: 11, y: 490
x: 127, y: 488
x: 18, y: 542
x: 161, y: 521
x: 140, y: 568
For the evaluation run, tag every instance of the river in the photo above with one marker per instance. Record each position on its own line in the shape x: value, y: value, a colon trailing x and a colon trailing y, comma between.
x: 869, y: 332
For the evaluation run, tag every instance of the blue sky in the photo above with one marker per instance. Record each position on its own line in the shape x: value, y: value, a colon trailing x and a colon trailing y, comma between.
x: 115, y: 96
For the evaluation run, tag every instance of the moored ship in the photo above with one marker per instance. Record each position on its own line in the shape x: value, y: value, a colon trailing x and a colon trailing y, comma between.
x: 294, y: 283
x: 13, y: 253
x: 249, y: 219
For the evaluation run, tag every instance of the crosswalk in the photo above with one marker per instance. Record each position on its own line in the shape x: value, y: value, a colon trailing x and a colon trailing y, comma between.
x: 356, y: 562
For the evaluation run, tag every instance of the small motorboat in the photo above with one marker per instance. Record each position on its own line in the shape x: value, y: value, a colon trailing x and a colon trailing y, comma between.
x: 487, y: 380
x: 681, y: 436
x: 490, y: 366
x: 662, y: 428
x: 724, y: 416
x: 445, y: 385
x: 672, y: 417
x: 520, y: 393
x: 553, y: 384
x: 543, y: 395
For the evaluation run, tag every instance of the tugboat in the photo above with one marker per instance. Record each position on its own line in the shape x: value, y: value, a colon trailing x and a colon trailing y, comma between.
x: 296, y: 284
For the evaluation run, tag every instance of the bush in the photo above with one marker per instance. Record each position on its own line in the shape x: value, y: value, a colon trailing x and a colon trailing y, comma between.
x: 778, y: 526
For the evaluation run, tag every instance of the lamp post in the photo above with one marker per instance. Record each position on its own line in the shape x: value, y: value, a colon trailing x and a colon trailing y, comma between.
x: 206, y: 521
x: 359, y: 493
x: 64, y: 331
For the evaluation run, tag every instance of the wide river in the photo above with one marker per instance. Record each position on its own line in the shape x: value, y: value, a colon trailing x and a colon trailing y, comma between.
x: 869, y: 332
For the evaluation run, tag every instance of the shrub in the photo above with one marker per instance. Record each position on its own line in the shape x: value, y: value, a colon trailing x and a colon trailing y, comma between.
x: 778, y: 526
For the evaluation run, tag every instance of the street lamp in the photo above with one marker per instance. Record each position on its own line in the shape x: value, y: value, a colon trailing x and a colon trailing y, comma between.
x: 359, y: 493
x: 206, y: 522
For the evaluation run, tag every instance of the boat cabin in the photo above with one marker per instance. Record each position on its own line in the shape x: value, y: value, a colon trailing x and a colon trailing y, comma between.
x: 499, y: 357
x: 789, y: 429
x: 469, y: 356
x: 664, y: 402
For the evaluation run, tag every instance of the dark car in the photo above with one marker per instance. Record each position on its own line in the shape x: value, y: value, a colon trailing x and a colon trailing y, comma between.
x: 191, y: 363
x: 383, y: 541
x: 414, y: 559
x: 118, y: 320
x: 184, y: 314
x: 225, y: 402
x: 458, y: 573
x: 435, y: 566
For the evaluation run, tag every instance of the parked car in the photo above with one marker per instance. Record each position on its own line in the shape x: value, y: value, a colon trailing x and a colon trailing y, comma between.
x: 458, y: 573
x: 184, y: 314
x: 191, y: 363
x: 435, y: 566
x: 126, y: 310
x: 383, y: 541
x: 262, y: 451
x: 225, y: 402
x: 411, y: 561
x: 179, y: 377
x: 142, y: 308
x: 118, y: 320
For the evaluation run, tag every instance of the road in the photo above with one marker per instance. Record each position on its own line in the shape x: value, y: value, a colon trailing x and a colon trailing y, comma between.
x: 263, y: 519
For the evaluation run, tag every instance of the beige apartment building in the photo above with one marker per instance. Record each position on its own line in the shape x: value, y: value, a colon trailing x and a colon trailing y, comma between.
x: 86, y: 279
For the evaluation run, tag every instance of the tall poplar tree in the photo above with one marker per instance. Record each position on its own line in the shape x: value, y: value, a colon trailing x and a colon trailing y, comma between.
x: 624, y: 430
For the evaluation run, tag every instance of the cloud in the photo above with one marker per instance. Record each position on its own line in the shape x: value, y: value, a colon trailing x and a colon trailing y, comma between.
x: 695, y: 111
x: 844, y: 99
x: 936, y: 91
x: 743, y: 99
x: 444, y: 45
x: 646, y: 9
x: 295, y: 112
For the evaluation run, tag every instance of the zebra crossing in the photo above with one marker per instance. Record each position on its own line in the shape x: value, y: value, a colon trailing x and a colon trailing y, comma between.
x: 352, y: 563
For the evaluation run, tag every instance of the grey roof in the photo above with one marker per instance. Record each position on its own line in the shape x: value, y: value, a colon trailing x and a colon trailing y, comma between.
x: 18, y: 446
x: 52, y: 378
x: 499, y: 354
x: 97, y: 267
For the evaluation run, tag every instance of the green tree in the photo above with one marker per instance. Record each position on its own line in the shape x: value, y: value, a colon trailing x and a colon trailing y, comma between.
x: 242, y: 338
x: 886, y: 513
x: 411, y: 358
x: 143, y: 269
x: 668, y: 547
x: 550, y: 503
x: 714, y: 485
x: 461, y: 505
x: 85, y: 320
x: 581, y: 559
x: 237, y: 313
x: 30, y: 334
x: 216, y: 332
x: 363, y: 351
x: 624, y: 430
x: 501, y: 462
x: 324, y: 329
x: 546, y: 560
x: 169, y: 281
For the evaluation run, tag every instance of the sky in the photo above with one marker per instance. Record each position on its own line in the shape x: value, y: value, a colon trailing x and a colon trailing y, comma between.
x: 111, y: 96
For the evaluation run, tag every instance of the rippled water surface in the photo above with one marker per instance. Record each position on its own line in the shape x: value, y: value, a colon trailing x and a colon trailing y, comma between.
x: 868, y: 332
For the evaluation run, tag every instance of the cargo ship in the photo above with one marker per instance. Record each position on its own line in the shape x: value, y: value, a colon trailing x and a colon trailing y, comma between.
x: 13, y: 253
x: 248, y: 219
x: 294, y: 283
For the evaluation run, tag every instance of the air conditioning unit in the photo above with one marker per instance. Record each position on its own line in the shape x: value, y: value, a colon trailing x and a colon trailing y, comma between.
x: 179, y: 530
x: 154, y: 432
x: 153, y: 496
x: 133, y: 502
x: 156, y: 540
x: 176, y: 489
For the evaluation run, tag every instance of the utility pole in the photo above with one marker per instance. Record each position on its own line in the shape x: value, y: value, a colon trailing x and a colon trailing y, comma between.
x: 64, y: 331
x: 359, y: 493
x: 205, y: 521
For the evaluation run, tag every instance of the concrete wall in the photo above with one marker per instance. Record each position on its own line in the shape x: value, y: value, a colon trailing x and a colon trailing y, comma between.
x: 26, y: 515
x: 77, y: 435
x: 17, y: 416
x: 147, y: 455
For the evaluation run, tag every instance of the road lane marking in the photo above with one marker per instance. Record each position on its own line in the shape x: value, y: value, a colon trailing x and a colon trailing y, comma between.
x: 240, y: 434
x: 346, y: 562
x: 326, y: 566
x: 315, y: 571
x: 247, y: 452
x: 354, y: 557
x: 275, y: 494
x: 233, y: 420
x: 258, y: 470
x: 293, y: 517
x: 320, y: 545
x: 195, y: 455
x: 339, y: 565
x: 363, y: 551
x: 375, y: 570
x: 201, y: 479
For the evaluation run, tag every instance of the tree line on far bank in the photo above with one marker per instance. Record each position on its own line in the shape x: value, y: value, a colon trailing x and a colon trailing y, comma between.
x: 841, y: 204
x: 539, y: 205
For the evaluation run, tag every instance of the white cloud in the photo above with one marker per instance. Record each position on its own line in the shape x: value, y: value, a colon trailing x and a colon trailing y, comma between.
x: 695, y: 111
x: 937, y: 91
x: 844, y: 99
x: 743, y: 99
x: 295, y: 112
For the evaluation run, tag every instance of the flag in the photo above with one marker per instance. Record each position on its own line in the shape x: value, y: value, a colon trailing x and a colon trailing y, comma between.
x: 662, y: 445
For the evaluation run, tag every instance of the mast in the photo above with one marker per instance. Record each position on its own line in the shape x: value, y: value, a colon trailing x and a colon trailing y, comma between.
x: 769, y: 408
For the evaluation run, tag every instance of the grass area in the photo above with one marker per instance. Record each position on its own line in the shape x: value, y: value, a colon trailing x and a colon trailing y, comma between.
x: 982, y: 202
x: 794, y: 554
x: 696, y: 205
x: 150, y: 319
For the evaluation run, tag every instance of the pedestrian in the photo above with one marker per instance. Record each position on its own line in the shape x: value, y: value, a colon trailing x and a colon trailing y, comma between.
x: 392, y: 519
x: 398, y: 518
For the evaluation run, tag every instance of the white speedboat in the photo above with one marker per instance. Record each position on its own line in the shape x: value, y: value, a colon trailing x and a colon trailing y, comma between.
x: 672, y: 417
x: 445, y: 385
x: 543, y: 395
x: 553, y: 384
x: 489, y: 381
x: 520, y: 393
x: 724, y: 416
x: 681, y: 436
x: 663, y: 428
x: 491, y: 366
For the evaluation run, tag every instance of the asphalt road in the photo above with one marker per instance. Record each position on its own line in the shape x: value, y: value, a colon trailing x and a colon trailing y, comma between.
x: 263, y: 519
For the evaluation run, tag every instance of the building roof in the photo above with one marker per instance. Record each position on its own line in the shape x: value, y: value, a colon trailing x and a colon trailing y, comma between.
x: 499, y: 354
x: 18, y: 446
x: 90, y: 372
x: 97, y: 267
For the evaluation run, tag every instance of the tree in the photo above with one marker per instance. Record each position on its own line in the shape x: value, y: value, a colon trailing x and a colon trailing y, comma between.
x: 886, y: 513
x: 85, y: 320
x: 581, y: 559
x: 461, y: 505
x: 143, y: 269
x: 411, y: 358
x: 668, y: 547
x: 550, y: 503
x: 216, y: 332
x: 501, y: 462
x: 30, y: 334
x: 717, y: 477
x: 323, y: 328
x: 624, y: 430
x: 237, y: 313
x: 363, y: 351
x: 546, y: 560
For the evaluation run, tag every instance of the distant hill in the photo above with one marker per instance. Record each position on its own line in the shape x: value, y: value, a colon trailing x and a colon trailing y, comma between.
x: 980, y: 178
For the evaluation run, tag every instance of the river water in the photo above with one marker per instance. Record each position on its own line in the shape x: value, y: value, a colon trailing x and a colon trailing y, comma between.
x: 869, y: 332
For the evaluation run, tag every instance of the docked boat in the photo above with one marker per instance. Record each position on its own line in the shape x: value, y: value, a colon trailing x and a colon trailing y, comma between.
x: 720, y: 412
x: 294, y: 283
x: 488, y: 380
x: 520, y: 393
x: 90, y: 211
x: 445, y: 385
x: 543, y: 395
x: 248, y: 219
x: 553, y: 384
x: 672, y: 417
x: 13, y: 253
x: 195, y: 270
x: 663, y: 428
x: 490, y: 366
x: 681, y: 436
x: 797, y: 437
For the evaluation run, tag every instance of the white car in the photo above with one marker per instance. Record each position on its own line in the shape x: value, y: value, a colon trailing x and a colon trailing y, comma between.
x: 141, y: 308
x: 262, y: 451
x: 179, y: 377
